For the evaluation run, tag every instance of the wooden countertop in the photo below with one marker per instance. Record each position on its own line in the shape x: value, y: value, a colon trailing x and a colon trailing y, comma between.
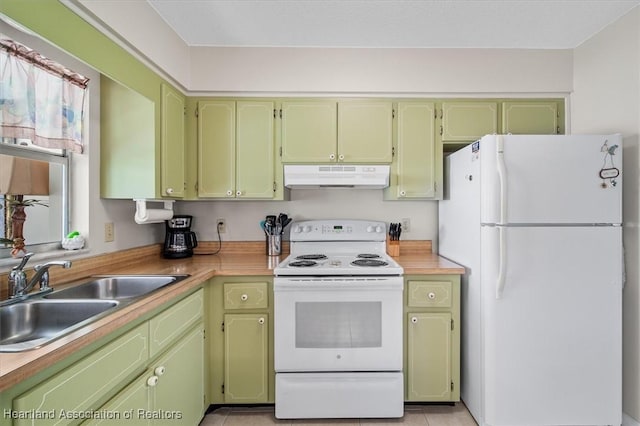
x: 239, y: 259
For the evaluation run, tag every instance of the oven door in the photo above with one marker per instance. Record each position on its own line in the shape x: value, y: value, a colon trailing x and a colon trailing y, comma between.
x: 338, y: 324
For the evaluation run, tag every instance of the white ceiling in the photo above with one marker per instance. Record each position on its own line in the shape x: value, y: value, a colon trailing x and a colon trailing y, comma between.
x: 540, y: 24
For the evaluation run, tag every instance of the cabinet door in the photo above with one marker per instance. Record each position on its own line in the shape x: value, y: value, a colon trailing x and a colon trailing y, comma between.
x: 417, y: 163
x: 530, y: 117
x: 173, y: 143
x: 365, y: 131
x: 246, y: 344
x: 82, y: 385
x: 216, y: 149
x: 429, y: 357
x: 180, y: 386
x: 255, y: 150
x: 309, y: 131
x: 125, y: 406
x: 468, y: 121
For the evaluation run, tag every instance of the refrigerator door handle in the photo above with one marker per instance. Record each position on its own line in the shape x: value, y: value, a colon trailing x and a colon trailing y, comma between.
x: 502, y: 268
x: 502, y: 176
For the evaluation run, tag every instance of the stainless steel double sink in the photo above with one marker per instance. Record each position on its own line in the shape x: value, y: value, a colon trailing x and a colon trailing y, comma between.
x: 40, y: 319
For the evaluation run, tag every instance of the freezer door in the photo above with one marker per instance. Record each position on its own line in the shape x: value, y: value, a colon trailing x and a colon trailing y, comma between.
x: 552, y: 343
x: 551, y: 179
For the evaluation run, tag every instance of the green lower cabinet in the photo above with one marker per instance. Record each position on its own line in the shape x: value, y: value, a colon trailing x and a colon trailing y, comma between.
x: 169, y: 392
x: 240, y: 340
x: 246, y: 342
x: 432, y: 338
x: 81, y: 386
x: 429, y: 357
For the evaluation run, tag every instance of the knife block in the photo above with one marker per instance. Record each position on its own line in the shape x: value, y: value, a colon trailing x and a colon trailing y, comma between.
x: 393, y: 248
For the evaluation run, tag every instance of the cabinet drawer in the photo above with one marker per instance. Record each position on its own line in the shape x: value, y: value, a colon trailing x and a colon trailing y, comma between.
x: 80, y: 386
x: 430, y: 294
x: 168, y: 326
x: 246, y: 295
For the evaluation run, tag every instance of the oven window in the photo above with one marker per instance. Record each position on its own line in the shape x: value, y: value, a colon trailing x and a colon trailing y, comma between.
x: 338, y: 324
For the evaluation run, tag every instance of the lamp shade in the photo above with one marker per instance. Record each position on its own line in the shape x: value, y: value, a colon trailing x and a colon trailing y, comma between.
x: 21, y: 176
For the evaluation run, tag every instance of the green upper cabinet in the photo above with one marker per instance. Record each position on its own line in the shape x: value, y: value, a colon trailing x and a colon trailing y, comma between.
x: 236, y: 149
x: 536, y: 117
x: 416, y: 171
x: 464, y: 121
x: 173, y: 143
x: 350, y: 131
x: 309, y: 131
x: 365, y: 131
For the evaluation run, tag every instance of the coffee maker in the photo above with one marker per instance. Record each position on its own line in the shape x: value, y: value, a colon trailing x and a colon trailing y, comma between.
x: 179, y: 241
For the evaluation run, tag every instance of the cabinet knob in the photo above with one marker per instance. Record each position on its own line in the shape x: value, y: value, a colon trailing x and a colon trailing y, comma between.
x: 229, y: 193
x: 238, y: 193
x: 152, y: 381
x: 261, y: 321
x: 332, y: 156
x: 341, y: 157
x: 169, y: 191
x: 403, y: 193
x: 414, y: 320
x: 159, y: 371
x: 244, y: 297
x: 431, y: 295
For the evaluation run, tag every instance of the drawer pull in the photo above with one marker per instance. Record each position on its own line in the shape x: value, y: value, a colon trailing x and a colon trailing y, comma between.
x: 159, y: 371
x: 244, y: 297
x: 152, y: 381
x: 414, y: 320
x: 261, y: 321
x: 431, y: 295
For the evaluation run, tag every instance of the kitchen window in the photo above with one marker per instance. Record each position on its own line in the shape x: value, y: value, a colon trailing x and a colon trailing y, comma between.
x: 41, y: 123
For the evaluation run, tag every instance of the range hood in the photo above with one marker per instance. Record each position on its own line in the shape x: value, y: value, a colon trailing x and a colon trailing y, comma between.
x: 338, y: 175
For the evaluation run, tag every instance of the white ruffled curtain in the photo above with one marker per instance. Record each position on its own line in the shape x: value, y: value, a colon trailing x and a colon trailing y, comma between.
x: 40, y: 100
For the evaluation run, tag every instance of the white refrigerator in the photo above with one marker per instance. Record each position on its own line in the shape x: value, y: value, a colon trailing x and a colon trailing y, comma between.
x: 536, y: 222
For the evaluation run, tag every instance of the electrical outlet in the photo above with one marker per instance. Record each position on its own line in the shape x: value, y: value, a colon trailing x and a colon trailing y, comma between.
x: 222, y: 225
x: 406, y: 224
x: 108, y: 232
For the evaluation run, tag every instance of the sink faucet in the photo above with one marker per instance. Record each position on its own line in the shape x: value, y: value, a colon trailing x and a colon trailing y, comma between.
x: 18, y: 286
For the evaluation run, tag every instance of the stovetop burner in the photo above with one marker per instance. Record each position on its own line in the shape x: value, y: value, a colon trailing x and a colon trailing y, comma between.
x: 302, y: 263
x: 369, y: 262
x: 368, y: 256
x: 311, y: 257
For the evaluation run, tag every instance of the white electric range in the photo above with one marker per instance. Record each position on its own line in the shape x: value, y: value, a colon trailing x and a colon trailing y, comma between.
x: 338, y: 323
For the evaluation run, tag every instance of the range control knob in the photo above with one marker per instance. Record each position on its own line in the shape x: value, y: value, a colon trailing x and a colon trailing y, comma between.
x: 370, y: 228
x: 297, y: 229
x: 306, y: 228
x: 378, y: 229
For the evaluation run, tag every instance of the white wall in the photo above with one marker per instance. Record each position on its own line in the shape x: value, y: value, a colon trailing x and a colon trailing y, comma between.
x: 380, y: 71
x: 242, y: 217
x: 606, y: 99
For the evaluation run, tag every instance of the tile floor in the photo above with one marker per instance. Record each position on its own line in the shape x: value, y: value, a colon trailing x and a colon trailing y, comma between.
x: 414, y: 415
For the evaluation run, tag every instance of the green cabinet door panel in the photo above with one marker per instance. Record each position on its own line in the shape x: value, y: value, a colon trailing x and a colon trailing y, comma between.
x: 365, y: 131
x: 309, y: 131
x: 125, y: 405
x: 255, y: 167
x: 166, y: 327
x: 429, y: 356
x: 172, y: 143
x: 530, y: 117
x: 416, y: 167
x: 467, y: 121
x: 127, y: 143
x: 81, y: 386
x: 174, y: 384
x: 246, y: 343
x: 216, y: 149
x: 180, y: 386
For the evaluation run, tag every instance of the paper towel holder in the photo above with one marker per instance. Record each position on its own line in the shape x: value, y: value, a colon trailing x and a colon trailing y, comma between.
x: 145, y: 215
